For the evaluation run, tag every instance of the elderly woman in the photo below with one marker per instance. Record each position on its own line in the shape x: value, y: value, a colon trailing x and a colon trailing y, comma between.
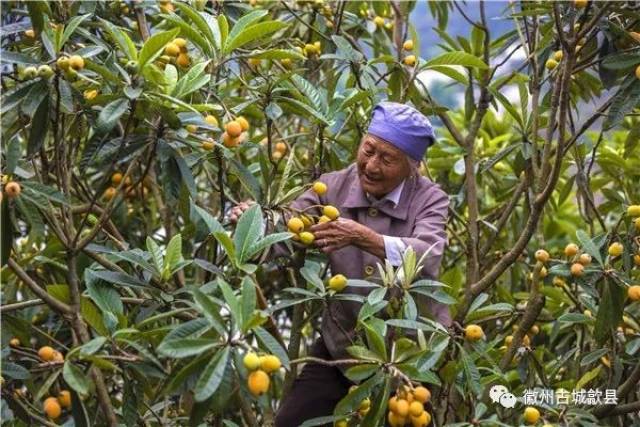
x: 385, y: 207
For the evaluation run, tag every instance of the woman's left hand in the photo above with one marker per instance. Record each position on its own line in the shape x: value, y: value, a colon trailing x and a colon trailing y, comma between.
x: 334, y: 235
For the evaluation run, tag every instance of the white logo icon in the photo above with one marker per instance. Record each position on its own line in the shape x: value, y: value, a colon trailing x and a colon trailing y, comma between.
x: 500, y: 394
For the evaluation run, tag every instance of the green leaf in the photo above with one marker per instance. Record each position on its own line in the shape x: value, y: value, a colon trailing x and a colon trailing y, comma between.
x: 375, y: 341
x: 351, y: 401
x: 17, y: 58
x: 310, y: 272
x: 248, y: 230
x: 610, y: 310
x: 70, y: 28
x: 627, y: 98
x: 252, y: 33
x: 364, y: 353
x: 104, y: 295
x: 279, y: 54
x: 119, y: 278
x: 156, y: 254
x: 212, y: 223
x: 588, y: 246
x: 39, y: 128
x: 376, y: 415
x: 193, y: 80
x: 122, y: 39
x: 185, y: 347
x: 410, y: 324
x: 248, y: 300
x: 297, y: 105
x: 261, y: 244
x: 242, y: 23
x: 457, y: 58
x: 14, y: 371
x: 470, y: 371
x: 310, y: 93
x: 322, y: 421
x: 223, y: 238
x: 110, y: 115
x: 223, y: 25
x: 587, y: 378
x: 37, y: 190
x: 173, y: 254
x: 246, y: 178
x: 154, y: 45
x: 360, y: 372
x: 76, y: 379
x: 199, y: 21
x: 210, y: 309
x: 231, y: 300
x: 212, y: 375
x: 272, y: 345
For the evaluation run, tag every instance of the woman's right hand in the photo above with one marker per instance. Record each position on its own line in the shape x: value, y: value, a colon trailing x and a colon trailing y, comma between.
x: 239, y: 209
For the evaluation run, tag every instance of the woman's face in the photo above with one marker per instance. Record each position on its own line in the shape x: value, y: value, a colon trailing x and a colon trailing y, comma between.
x: 381, y: 166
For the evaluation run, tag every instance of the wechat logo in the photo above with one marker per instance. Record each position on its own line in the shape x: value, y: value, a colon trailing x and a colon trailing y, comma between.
x: 500, y: 394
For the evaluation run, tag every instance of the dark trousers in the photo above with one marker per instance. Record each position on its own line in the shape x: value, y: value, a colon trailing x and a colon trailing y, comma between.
x: 315, y: 392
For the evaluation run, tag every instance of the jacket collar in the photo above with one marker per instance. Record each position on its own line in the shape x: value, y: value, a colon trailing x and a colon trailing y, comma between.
x: 356, y: 197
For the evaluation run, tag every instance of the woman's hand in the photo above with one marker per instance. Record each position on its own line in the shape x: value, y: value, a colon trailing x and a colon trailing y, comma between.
x: 342, y: 232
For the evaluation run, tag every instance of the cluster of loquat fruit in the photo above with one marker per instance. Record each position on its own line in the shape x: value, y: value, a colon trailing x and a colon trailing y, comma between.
x: 233, y: 132
x: 298, y: 225
x: 526, y: 339
x: 176, y: 52
x: 382, y: 23
x: 407, y: 407
x: 52, y: 405
x: 409, y: 60
x: 69, y: 65
x: 260, y: 367
x: 130, y: 191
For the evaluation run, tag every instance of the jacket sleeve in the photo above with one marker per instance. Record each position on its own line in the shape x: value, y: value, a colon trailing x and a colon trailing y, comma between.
x: 429, y: 235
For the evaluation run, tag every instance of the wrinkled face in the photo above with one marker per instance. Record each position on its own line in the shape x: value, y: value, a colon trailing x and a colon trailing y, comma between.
x: 381, y: 166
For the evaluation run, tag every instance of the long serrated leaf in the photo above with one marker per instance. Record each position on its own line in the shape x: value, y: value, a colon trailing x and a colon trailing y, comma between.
x: 185, y: 347
x: 248, y: 301
x: 212, y: 375
x: 232, y: 301
x: 457, y: 58
x: 311, y: 93
x: 471, y: 371
x: 210, y: 309
x: 156, y: 254
x: 252, y: 33
x: 39, y: 128
x: 248, y: 230
x: 110, y: 115
x: 262, y: 244
x: 76, y: 379
x: 240, y: 25
x: 173, y: 254
x: 154, y: 45
x: 121, y: 38
x: 70, y: 28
